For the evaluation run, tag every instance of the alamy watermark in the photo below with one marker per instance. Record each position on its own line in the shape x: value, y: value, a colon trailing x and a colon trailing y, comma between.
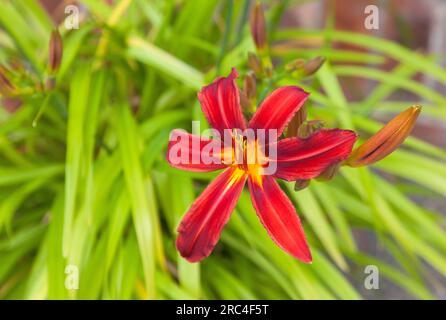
x: 232, y: 147
x: 371, y: 281
x: 72, y: 18
x: 72, y: 277
x: 371, y: 21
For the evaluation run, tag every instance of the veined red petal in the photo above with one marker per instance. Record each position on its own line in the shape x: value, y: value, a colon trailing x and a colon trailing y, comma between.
x: 278, y: 108
x: 220, y: 102
x: 302, y: 159
x: 194, y: 153
x: 277, y: 214
x: 201, y: 227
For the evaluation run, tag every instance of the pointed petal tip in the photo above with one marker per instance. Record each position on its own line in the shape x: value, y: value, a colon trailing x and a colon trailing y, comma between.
x: 300, y: 90
x: 200, y: 229
x: 416, y: 109
x: 386, y: 140
x: 190, y: 258
x: 308, y: 259
x: 279, y: 217
x: 305, y: 255
x: 220, y: 103
x: 234, y: 73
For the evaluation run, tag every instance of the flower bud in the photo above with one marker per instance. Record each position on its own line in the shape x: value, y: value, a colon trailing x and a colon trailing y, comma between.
x: 254, y: 63
x: 329, y: 172
x: 313, y: 65
x: 249, y: 86
x: 309, y: 127
x: 301, y: 184
x: 244, y: 101
x: 386, y: 140
x: 295, y: 123
x: 300, y: 68
x: 258, y: 26
x: 55, y: 52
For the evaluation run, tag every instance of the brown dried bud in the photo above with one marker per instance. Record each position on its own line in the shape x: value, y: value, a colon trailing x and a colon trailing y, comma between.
x: 258, y: 26
x: 244, y: 101
x: 55, y: 52
x: 313, y: 65
x: 7, y: 88
x: 386, y: 140
x: 301, y: 184
x: 329, y: 172
x: 295, y: 123
x: 254, y: 63
x: 249, y: 93
x: 301, y: 68
x: 309, y: 127
x: 249, y: 86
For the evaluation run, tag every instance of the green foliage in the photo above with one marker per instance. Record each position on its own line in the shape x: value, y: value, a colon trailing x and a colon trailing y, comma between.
x: 88, y: 184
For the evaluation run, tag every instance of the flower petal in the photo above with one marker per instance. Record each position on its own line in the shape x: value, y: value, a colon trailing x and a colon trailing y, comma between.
x: 277, y: 214
x: 278, y: 108
x: 302, y: 159
x: 201, y: 227
x: 220, y: 102
x: 194, y: 153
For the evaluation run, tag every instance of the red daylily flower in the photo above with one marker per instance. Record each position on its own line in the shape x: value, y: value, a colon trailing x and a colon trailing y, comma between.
x: 297, y: 159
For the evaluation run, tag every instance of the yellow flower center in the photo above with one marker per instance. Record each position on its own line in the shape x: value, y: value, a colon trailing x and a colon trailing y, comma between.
x: 247, y: 155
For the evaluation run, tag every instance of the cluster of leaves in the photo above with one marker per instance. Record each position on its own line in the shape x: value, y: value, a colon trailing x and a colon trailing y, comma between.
x: 88, y: 185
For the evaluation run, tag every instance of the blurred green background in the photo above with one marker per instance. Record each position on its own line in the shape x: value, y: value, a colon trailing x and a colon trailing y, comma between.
x: 85, y: 189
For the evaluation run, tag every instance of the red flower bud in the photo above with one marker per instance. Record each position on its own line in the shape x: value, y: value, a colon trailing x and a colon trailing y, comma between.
x: 300, y: 69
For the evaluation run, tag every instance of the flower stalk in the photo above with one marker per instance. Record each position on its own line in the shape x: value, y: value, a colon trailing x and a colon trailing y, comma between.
x: 257, y: 24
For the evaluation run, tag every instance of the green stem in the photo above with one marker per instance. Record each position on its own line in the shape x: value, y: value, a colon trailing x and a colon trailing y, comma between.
x: 225, y: 40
